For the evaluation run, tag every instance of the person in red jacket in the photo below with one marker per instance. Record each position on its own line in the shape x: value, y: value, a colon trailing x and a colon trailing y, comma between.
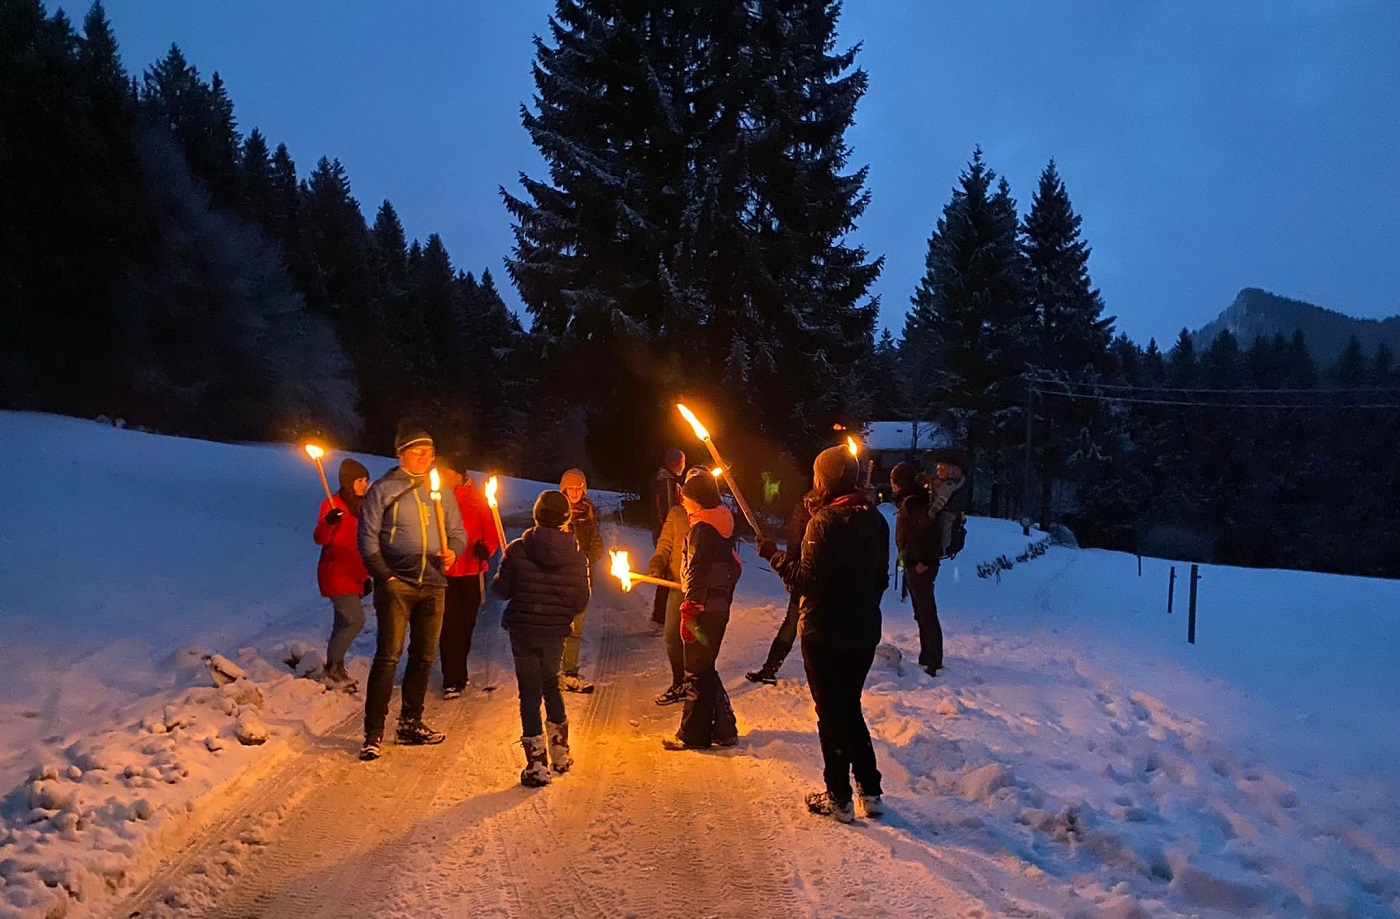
x: 466, y: 579
x: 341, y: 573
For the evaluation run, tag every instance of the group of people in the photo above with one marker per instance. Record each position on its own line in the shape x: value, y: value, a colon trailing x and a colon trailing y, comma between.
x: 428, y: 577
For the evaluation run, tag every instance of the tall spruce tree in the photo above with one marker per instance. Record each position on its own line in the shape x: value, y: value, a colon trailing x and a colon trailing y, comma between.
x: 690, y: 233
x: 972, y: 321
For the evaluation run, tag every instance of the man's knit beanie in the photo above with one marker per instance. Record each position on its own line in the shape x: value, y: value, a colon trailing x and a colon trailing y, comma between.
x: 672, y: 456
x: 835, y: 471
x: 552, y: 509
x: 700, y: 486
x: 411, y: 435
x: 573, y: 478
x: 904, y: 477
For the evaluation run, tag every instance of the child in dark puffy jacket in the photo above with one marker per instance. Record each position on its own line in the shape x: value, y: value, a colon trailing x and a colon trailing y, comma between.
x: 544, y: 580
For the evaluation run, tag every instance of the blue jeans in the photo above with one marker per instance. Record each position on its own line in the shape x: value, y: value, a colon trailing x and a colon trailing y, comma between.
x: 400, y: 607
x: 537, y: 677
x: 349, y: 621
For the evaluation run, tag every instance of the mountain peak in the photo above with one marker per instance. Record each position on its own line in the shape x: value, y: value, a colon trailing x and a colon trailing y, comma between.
x: 1258, y: 312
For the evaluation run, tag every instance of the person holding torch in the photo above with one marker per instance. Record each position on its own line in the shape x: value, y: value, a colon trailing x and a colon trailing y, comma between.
x: 341, y: 573
x: 841, y: 574
x: 466, y: 580
x: 408, y: 541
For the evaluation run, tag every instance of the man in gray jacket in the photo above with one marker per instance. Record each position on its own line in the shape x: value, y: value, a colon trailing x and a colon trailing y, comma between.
x: 398, y: 539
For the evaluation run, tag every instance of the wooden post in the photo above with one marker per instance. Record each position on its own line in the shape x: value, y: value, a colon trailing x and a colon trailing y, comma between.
x: 1191, y: 614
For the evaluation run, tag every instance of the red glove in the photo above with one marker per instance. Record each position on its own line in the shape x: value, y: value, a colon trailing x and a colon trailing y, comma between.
x: 690, y: 614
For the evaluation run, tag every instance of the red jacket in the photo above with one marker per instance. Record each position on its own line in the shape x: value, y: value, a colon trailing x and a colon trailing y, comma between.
x: 479, y: 524
x: 341, y: 570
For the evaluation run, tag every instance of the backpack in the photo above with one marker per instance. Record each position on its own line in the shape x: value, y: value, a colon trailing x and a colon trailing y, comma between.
x: 957, y: 539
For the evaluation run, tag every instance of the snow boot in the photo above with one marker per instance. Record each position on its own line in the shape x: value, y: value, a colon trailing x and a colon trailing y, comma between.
x: 453, y: 690
x: 572, y: 682
x: 870, y: 805
x: 822, y: 803
x: 764, y: 674
x: 417, y: 734
x: 536, y: 771
x: 559, y: 758
x: 371, y: 749
x: 338, y: 678
x: 673, y: 694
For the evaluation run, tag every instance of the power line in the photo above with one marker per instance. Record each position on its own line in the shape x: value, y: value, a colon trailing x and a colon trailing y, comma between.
x: 1368, y: 390
x: 1394, y: 406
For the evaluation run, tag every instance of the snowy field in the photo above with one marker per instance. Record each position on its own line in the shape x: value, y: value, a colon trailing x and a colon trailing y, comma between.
x: 1077, y: 758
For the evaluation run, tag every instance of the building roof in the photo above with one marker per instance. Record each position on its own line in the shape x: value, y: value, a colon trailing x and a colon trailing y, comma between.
x: 896, y: 436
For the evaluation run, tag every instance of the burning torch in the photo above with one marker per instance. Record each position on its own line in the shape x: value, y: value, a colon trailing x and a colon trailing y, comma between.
x: 855, y: 454
x: 491, y: 487
x: 316, y: 453
x: 621, y: 569
x: 435, y: 486
x: 704, y: 435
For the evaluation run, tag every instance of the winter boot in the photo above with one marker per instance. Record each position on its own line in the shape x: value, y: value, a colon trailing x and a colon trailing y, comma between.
x: 870, y: 805
x: 416, y: 733
x: 764, y: 674
x: 572, y: 682
x: 536, y: 771
x: 821, y: 802
x: 673, y: 694
x: 559, y: 758
x: 371, y: 749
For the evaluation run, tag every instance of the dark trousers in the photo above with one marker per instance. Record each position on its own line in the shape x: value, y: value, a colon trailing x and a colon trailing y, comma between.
x: 707, y: 716
x: 671, y: 633
x: 926, y: 615
x: 460, y: 610
x: 658, y: 605
x: 787, y: 634
x: 537, y: 677
x: 400, y: 607
x: 836, y: 677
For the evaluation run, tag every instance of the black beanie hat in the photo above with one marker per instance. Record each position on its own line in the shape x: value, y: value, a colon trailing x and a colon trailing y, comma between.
x: 904, y: 477
x: 350, y: 470
x: 700, y: 486
x: 835, y: 471
x: 552, y: 509
x: 410, y: 435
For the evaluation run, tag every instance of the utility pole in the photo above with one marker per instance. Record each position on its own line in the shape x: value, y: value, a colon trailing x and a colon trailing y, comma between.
x: 1026, y: 466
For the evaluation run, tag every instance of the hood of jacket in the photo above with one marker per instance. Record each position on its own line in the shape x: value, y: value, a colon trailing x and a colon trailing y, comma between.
x: 718, y: 517
x: 548, y: 547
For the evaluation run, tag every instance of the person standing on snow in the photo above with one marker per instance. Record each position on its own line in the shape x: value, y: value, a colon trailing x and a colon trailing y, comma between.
x: 466, y: 579
x: 667, y: 562
x: 843, y: 571
x: 544, y: 580
x: 398, y: 539
x: 665, y: 495
x: 917, y: 539
x: 709, y: 572
x: 787, y: 632
x: 341, y: 573
x: 584, y: 525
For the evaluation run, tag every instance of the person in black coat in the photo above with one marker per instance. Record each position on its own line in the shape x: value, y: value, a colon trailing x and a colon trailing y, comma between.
x: 917, y: 539
x: 544, y: 579
x: 709, y: 571
x: 841, y: 575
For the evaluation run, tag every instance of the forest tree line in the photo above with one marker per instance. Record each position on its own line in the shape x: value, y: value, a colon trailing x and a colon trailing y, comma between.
x: 158, y: 263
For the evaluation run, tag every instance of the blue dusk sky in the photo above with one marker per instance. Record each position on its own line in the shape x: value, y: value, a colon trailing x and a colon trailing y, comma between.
x: 1208, y: 146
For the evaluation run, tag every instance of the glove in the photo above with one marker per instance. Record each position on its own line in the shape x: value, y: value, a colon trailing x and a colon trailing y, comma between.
x: 657, y: 568
x: 333, y: 516
x: 368, y: 587
x: 480, y: 550
x: 767, y: 548
x: 690, y: 614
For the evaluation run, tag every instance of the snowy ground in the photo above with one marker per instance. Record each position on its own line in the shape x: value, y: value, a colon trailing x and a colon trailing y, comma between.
x: 1076, y: 758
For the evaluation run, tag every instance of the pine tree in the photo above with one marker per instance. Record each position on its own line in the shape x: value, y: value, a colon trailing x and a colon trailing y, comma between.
x: 972, y: 316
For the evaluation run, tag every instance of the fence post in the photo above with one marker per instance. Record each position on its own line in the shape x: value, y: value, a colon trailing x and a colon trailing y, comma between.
x: 1191, y: 614
x: 1171, y: 589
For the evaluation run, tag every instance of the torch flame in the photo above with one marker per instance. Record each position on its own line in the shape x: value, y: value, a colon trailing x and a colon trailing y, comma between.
x: 716, y: 472
x: 491, y: 491
x: 851, y: 445
x: 314, y: 451
x: 686, y: 413
x: 434, y: 483
x: 621, y: 568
